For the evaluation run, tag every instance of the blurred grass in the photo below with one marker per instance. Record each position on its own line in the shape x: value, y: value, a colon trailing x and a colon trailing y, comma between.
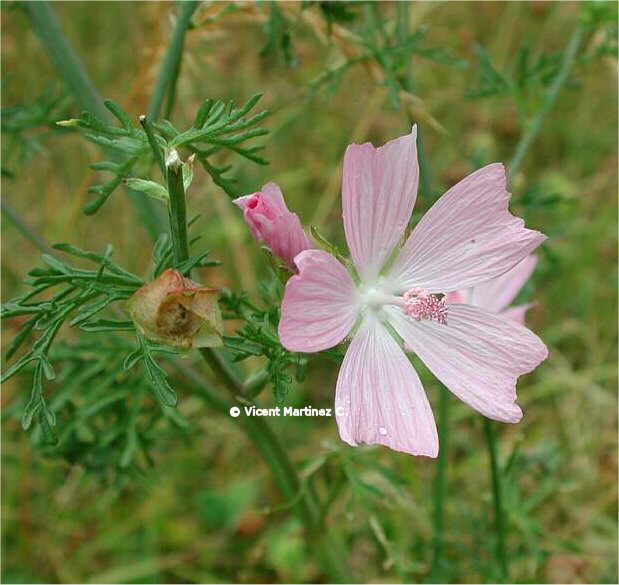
x: 200, y: 515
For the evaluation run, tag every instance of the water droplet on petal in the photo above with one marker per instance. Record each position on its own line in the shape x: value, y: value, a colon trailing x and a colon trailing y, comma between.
x: 382, y: 430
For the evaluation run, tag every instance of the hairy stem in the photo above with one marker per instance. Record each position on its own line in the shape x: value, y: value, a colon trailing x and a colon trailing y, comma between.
x: 499, y: 516
x: 527, y: 139
x: 170, y: 68
x: 75, y: 76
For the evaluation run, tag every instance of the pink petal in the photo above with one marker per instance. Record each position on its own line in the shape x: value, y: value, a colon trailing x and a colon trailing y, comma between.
x: 379, y: 398
x: 477, y: 355
x: 273, y: 194
x: 378, y: 194
x: 497, y: 293
x: 320, y: 304
x: 516, y: 313
x: 467, y: 237
x: 287, y: 238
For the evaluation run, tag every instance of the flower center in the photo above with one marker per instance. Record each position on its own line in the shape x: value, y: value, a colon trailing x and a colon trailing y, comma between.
x: 374, y: 298
x: 419, y: 304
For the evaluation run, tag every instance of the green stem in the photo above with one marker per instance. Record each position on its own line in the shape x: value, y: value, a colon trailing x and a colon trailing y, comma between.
x: 75, y: 76
x: 152, y: 141
x: 527, y: 139
x: 255, y: 383
x: 178, y: 211
x: 222, y: 370
x: 499, y: 515
x: 170, y: 68
x: 439, y: 491
x: 198, y: 385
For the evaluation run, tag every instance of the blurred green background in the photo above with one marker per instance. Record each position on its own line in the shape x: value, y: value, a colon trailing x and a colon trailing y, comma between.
x: 208, y: 511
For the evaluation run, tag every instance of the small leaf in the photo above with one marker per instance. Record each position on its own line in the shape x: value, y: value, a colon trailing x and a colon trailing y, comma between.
x: 46, y: 421
x: 105, y: 166
x: 17, y: 366
x: 132, y: 359
x: 34, y: 403
x: 203, y: 112
x: 107, y: 325
x: 150, y: 188
x: 159, y: 382
x: 188, y: 171
x: 119, y: 113
x: 88, y: 311
x: 24, y: 331
x: 48, y: 369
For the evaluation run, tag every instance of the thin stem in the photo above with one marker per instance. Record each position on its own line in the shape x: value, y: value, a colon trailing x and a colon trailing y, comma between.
x: 170, y: 68
x: 178, y: 211
x: 255, y: 383
x: 202, y: 387
x: 527, y: 139
x: 75, y: 76
x: 499, y: 516
x: 222, y: 370
x: 152, y: 141
x: 440, y: 490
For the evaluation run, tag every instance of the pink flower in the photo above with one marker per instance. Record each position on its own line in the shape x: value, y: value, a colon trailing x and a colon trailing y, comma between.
x: 496, y: 294
x: 466, y: 238
x: 270, y: 221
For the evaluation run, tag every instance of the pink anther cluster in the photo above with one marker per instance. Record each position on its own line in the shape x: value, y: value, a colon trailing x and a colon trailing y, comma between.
x: 419, y: 304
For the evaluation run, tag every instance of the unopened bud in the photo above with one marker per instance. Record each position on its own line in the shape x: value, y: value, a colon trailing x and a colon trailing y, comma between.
x: 271, y: 222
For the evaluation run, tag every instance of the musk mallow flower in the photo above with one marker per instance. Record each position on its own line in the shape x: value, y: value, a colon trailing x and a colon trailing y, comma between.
x: 271, y: 222
x: 495, y: 295
x: 175, y: 310
x: 467, y: 237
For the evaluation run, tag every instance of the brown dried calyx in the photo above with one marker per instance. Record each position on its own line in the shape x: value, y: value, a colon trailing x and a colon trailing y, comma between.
x: 177, y: 311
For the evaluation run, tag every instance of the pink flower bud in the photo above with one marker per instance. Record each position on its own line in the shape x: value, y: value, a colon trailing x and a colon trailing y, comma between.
x: 177, y: 311
x: 271, y: 222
